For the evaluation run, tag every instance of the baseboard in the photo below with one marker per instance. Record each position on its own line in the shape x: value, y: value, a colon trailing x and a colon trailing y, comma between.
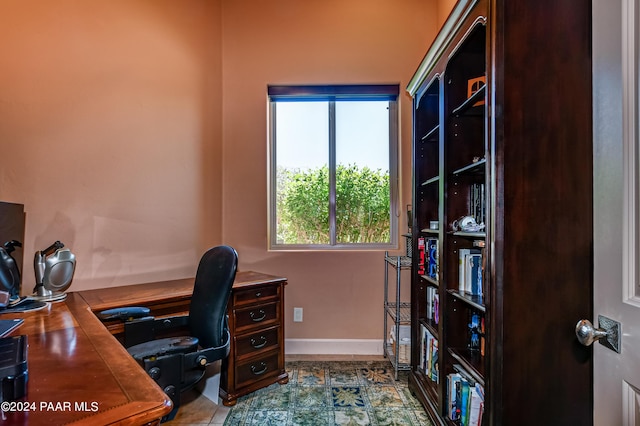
x: 333, y: 346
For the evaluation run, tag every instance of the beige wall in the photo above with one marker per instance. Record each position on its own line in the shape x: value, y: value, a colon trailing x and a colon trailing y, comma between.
x: 312, y: 42
x: 110, y: 133
x: 444, y: 9
x: 135, y: 132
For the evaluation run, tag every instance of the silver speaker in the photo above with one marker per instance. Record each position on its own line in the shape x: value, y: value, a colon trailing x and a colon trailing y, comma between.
x: 54, y: 268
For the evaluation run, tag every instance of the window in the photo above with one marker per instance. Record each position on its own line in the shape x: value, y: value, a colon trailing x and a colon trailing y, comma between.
x: 333, y: 173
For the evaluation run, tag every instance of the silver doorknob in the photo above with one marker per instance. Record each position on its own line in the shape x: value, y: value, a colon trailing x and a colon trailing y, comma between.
x: 587, y: 334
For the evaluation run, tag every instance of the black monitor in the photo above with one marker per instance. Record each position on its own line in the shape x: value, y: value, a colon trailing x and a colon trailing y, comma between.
x: 12, y: 224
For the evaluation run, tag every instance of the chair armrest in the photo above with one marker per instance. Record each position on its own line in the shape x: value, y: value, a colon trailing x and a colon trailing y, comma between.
x: 207, y: 356
x: 124, y: 314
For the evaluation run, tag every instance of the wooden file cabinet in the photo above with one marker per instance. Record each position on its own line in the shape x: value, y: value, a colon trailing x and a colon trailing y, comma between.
x: 256, y: 322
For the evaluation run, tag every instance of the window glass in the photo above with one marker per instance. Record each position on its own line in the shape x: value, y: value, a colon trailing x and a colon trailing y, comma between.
x: 302, y: 161
x: 362, y: 172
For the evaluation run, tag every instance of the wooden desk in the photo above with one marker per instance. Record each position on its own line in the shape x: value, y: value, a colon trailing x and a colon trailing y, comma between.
x: 256, y: 321
x: 72, y: 358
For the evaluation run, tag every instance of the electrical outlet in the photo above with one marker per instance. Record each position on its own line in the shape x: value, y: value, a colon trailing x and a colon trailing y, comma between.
x: 297, y: 314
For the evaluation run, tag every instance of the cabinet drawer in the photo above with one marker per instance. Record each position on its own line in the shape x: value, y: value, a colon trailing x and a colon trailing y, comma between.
x: 257, y: 342
x: 257, y: 316
x: 251, y: 371
x: 256, y: 295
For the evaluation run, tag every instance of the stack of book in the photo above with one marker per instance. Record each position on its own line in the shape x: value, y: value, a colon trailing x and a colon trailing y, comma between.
x: 470, y: 272
x: 428, y: 257
x: 465, y: 402
x: 429, y: 354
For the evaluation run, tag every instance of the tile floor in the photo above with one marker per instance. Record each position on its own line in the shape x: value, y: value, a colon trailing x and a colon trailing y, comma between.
x: 197, y: 410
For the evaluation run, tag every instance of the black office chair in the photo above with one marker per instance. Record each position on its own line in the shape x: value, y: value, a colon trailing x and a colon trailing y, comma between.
x: 178, y: 363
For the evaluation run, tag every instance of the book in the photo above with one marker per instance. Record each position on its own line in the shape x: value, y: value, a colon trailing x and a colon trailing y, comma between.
x: 8, y: 325
x: 435, y: 369
x: 477, y: 202
x: 436, y: 308
x: 453, y: 383
x: 473, y: 274
x: 457, y: 409
x: 429, y: 350
x: 432, y: 247
x: 465, y: 269
x: 421, y: 256
x: 430, y: 291
x: 464, y: 401
x: 482, y: 341
x: 475, y: 332
x: 432, y: 304
x: 462, y: 256
x: 476, y: 402
x: 423, y: 337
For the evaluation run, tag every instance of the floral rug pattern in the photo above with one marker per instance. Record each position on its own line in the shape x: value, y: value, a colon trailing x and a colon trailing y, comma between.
x: 332, y: 393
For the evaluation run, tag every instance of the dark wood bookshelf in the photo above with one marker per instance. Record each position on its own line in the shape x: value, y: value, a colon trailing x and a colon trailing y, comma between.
x: 502, y: 133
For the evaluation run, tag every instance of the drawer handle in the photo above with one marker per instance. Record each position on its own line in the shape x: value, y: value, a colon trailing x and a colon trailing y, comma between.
x: 258, y: 293
x: 257, y: 345
x: 259, y: 372
x: 260, y: 318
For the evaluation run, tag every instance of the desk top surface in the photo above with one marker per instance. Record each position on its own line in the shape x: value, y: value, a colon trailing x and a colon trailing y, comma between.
x: 174, y: 290
x: 79, y: 373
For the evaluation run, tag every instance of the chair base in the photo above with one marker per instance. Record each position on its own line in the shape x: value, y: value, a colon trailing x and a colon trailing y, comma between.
x: 166, y: 368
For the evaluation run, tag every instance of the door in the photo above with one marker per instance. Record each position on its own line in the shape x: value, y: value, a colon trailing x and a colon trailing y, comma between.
x: 616, y: 239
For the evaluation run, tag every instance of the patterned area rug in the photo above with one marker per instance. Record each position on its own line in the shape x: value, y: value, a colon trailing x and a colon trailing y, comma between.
x: 332, y: 393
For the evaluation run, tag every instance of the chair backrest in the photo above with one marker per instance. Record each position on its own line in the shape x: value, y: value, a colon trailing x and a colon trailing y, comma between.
x: 211, y: 292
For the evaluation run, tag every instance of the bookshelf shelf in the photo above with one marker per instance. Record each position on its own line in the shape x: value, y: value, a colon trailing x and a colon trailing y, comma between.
x: 471, y: 361
x: 430, y: 281
x: 472, y: 235
x: 473, y: 301
x: 487, y: 145
x: 432, y: 232
x: 434, y: 179
x: 469, y: 105
x: 431, y: 326
x: 476, y: 167
x: 432, y: 135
